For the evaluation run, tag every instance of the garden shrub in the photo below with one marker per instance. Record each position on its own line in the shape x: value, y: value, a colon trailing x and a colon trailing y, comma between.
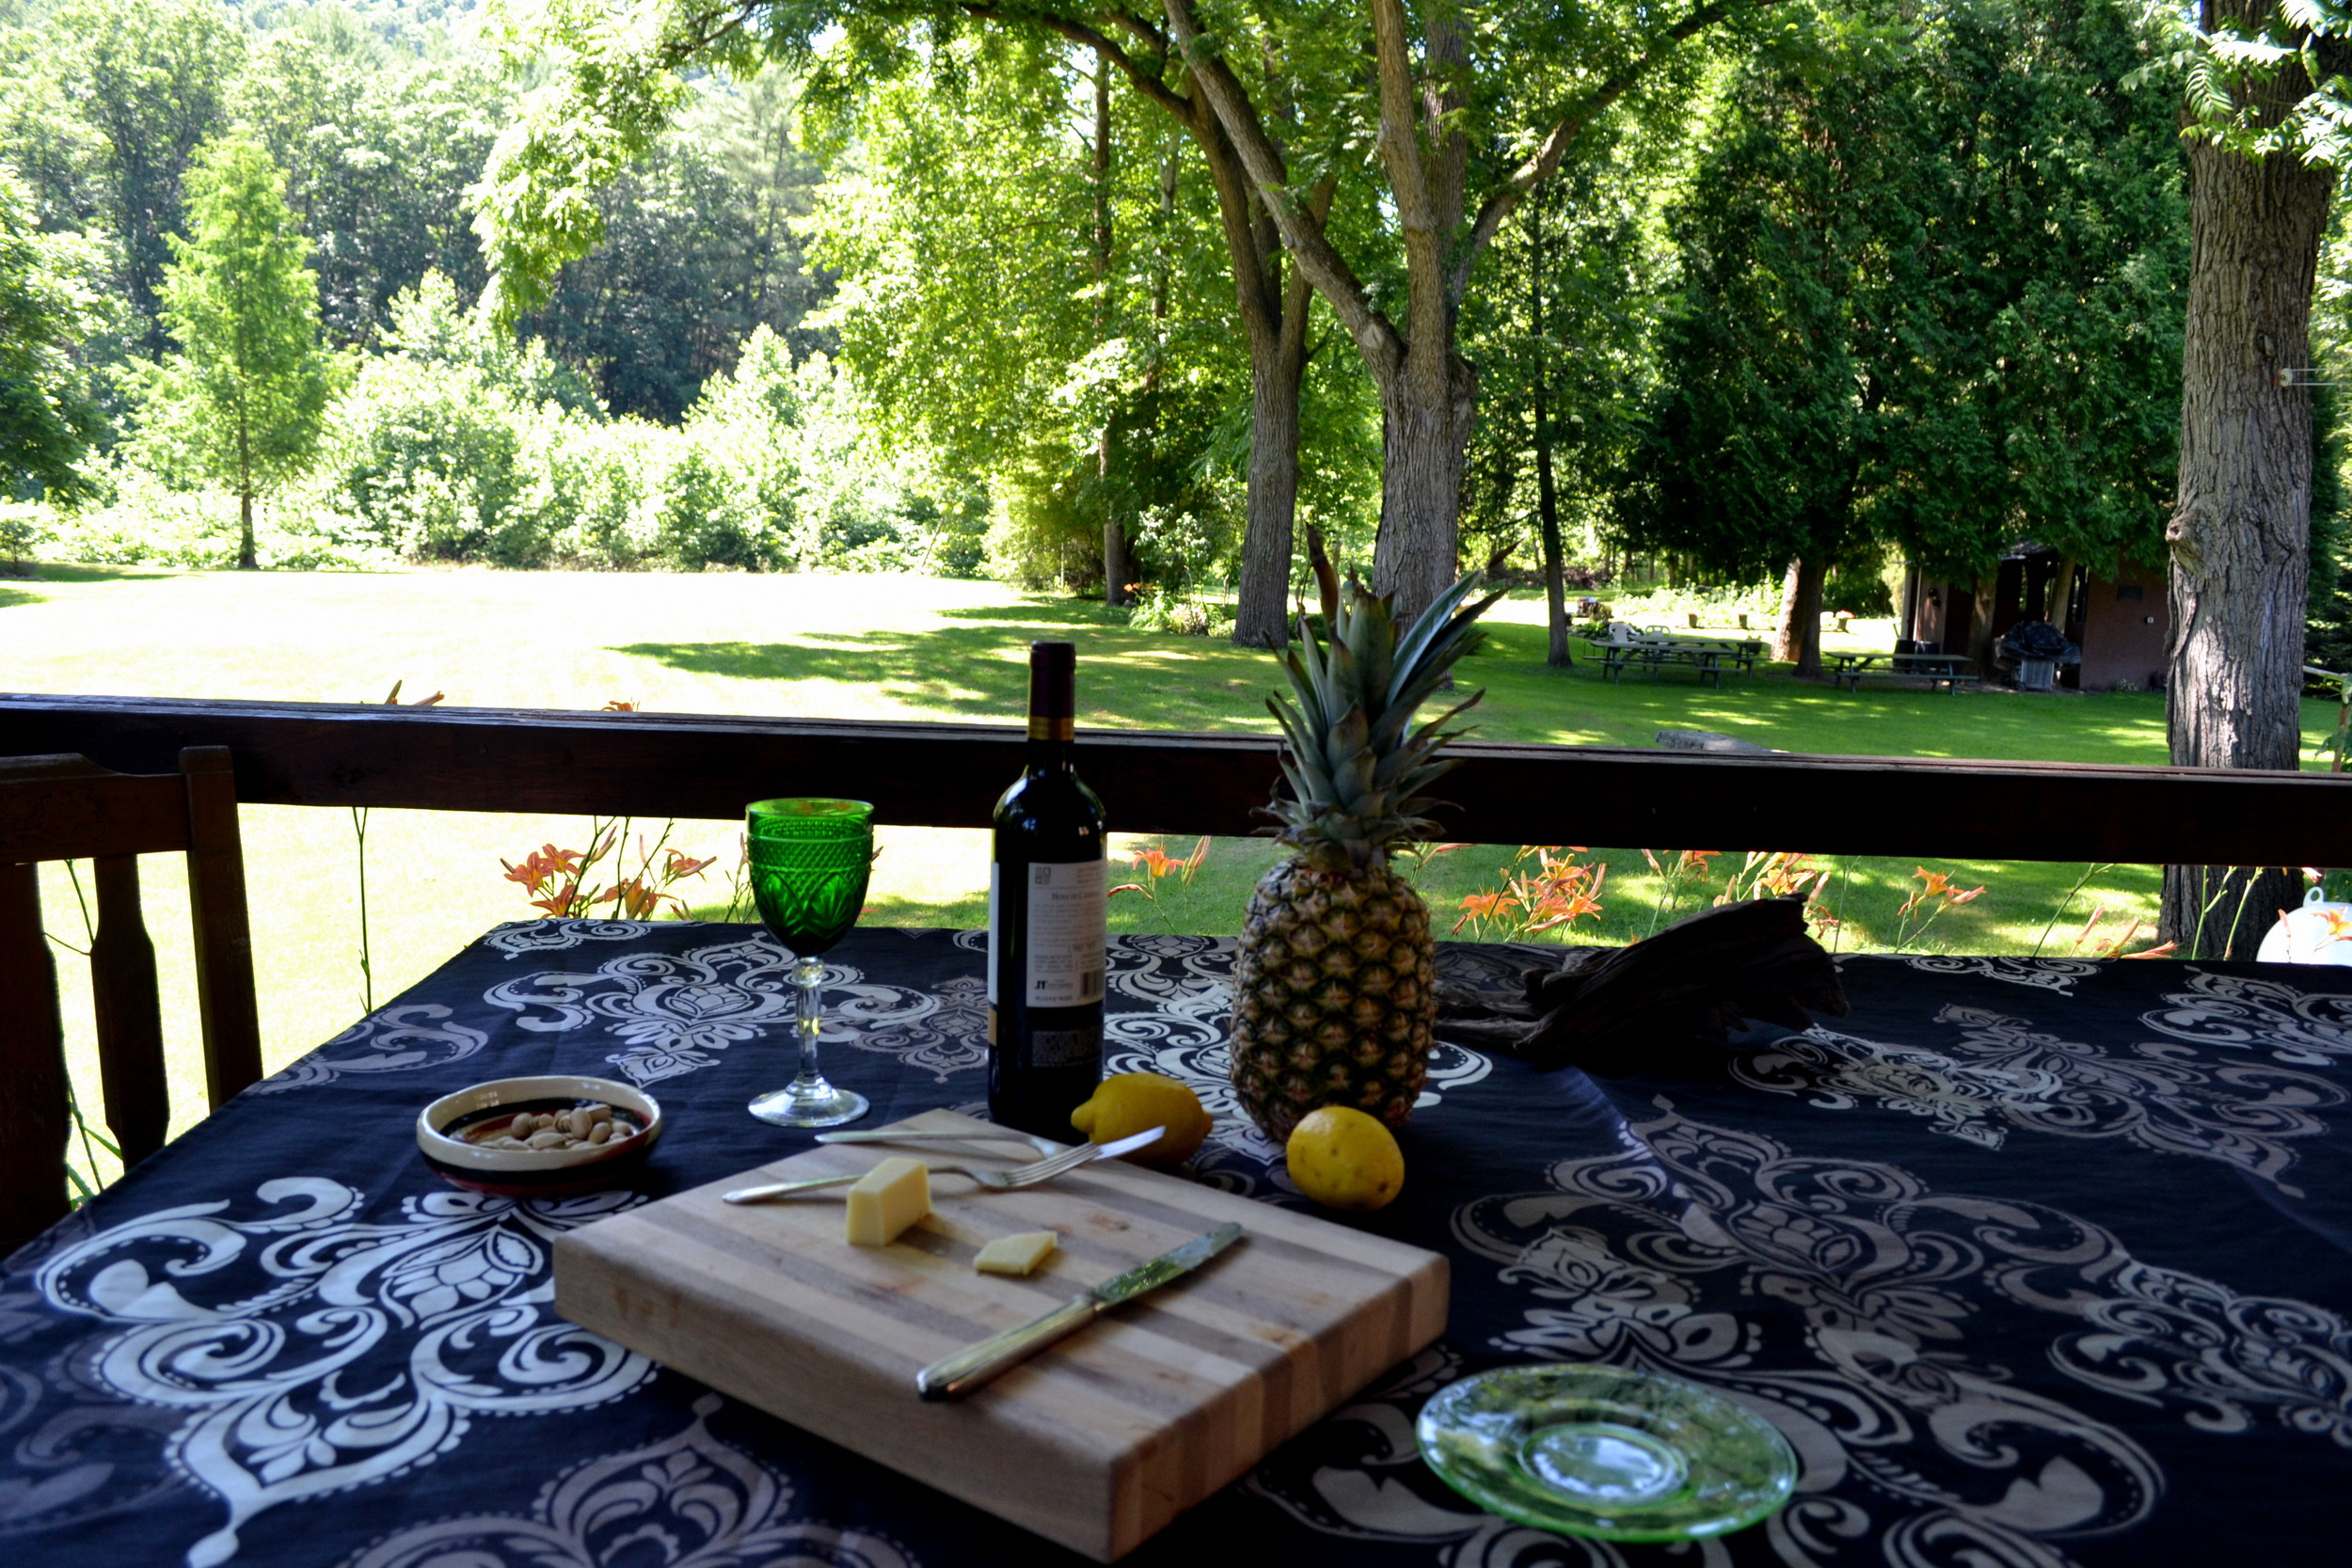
x: 432, y: 462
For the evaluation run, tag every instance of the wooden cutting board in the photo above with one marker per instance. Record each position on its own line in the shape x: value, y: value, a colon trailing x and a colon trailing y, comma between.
x: 1096, y: 1444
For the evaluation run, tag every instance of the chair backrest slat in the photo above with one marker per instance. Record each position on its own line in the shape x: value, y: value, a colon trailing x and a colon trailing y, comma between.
x: 32, y: 1049
x: 78, y: 816
x: 130, y: 1014
x: 69, y: 808
x: 224, y: 935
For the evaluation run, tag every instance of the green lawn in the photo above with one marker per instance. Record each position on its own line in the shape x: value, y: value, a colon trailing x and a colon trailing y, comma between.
x: 885, y: 647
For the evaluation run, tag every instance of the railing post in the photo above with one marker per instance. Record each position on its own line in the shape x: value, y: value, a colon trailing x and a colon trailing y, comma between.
x: 224, y: 937
x: 33, y: 1116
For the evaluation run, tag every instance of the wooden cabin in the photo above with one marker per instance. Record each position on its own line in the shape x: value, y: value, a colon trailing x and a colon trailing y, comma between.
x: 2117, y: 615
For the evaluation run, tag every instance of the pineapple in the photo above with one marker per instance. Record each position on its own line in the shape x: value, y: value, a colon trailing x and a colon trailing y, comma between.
x: 1335, y: 989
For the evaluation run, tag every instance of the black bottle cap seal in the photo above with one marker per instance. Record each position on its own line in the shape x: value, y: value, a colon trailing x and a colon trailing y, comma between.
x: 1053, y: 688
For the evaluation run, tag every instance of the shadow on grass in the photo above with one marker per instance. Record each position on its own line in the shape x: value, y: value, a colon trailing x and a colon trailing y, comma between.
x: 10, y: 596
x: 1127, y: 680
x: 59, y: 571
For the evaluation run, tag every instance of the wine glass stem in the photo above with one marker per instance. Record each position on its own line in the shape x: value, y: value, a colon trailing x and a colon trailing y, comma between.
x: 809, y: 974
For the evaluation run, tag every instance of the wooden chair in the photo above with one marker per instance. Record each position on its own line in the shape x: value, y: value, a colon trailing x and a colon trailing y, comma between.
x: 55, y: 808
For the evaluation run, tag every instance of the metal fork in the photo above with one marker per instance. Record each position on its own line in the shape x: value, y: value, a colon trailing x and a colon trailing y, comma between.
x: 985, y: 1134
x: 994, y: 1180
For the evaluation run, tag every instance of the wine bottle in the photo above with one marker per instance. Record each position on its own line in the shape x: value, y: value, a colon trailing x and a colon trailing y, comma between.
x: 1046, y: 893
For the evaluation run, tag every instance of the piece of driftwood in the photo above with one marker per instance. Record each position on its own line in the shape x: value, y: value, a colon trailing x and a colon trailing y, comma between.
x: 1612, y: 1010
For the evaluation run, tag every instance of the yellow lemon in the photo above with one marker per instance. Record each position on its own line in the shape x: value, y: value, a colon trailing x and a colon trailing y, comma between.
x: 1131, y: 1103
x: 1344, y: 1159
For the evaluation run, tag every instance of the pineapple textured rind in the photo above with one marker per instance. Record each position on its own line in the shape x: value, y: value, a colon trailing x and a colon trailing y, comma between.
x: 1335, y: 982
x: 1335, y: 995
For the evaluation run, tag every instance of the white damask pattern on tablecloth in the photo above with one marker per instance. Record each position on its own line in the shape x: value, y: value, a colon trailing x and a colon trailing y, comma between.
x: 675, y: 1012
x: 1917, y: 1450
x: 403, y: 1038
x: 2249, y: 1014
x: 519, y: 937
x: 302, y: 1349
x: 2002, y: 1074
x: 2057, y: 976
x: 688, y: 1500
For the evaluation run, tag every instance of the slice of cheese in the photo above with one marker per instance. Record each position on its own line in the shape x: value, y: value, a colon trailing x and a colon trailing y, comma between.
x: 888, y: 1198
x: 1015, y: 1254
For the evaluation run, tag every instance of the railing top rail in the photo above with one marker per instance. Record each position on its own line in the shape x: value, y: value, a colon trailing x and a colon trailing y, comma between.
x: 706, y: 766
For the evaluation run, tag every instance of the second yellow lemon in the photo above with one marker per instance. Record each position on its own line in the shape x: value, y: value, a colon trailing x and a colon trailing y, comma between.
x: 1344, y: 1159
x: 1131, y: 1103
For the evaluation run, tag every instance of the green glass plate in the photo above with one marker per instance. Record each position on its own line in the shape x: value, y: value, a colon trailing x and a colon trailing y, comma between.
x: 1606, y: 1451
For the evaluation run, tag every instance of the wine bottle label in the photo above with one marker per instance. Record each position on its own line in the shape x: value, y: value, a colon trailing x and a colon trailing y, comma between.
x: 1067, y: 925
x: 1066, y: 931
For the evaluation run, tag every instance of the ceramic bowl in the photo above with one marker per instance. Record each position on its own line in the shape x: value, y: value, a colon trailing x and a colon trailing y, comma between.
x: 535, y: 1172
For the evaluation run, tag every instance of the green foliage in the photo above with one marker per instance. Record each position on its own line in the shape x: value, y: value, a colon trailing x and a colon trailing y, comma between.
x: 379, y: 157
x: 151, y: 79
x: 249, y: 386
x: 1932, y: 299
x: 1108, y: 372
x: 47, y: 416
x: 432, y: 466
x: 691, y: 259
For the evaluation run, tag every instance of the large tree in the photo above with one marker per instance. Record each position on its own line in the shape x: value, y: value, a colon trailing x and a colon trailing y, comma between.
x: 1275, y: 101
x: 615, y: 89
x: 2266, y: 147
x: 151, y: 76
x: 1460, y: 130
x: 1931, y: 302
x: 1036, y: 305
x: 248, y: 389
x: 46, y: 308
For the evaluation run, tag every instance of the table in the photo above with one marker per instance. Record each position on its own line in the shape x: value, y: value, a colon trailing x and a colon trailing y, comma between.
x: 2036, y: 1262
x: 1947, y: 670
x: 1709, y: 655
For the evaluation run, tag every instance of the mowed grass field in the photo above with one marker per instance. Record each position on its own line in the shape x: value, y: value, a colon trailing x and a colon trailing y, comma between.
x: 894, y: 647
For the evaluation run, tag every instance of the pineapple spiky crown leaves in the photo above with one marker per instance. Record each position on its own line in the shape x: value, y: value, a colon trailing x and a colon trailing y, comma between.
x: 1355, y: 766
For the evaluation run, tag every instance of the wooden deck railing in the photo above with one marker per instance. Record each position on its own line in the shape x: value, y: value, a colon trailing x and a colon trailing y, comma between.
x: 949, y: 775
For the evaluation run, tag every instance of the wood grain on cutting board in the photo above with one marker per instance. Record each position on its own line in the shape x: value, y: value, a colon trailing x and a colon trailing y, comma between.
x: 1096, y: 1444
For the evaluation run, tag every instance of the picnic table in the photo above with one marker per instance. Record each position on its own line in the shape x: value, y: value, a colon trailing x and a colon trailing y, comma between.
x: 2033, y: 1261
x: 1950, y: 671
x: 1622, y: 648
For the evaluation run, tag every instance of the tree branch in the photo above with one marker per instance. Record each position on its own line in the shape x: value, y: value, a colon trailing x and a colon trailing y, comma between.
x: 1148, y: 83
x: 1570, y: 123
x: 1303, y: 234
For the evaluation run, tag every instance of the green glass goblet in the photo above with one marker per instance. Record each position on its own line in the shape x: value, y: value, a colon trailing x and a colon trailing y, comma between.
x: 809, y: 861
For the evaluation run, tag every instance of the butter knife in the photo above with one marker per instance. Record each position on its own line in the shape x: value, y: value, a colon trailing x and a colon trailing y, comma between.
x: 967, y: 1369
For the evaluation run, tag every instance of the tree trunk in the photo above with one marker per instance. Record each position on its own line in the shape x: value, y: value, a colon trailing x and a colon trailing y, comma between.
x: 1786, y: 644
x: 1425, y: 417
x: 1546, y: 493
x: 2061, y: 592
x: 1982, y: 599
x: 1262, y: 613
x: 1117, y: 568
x: 1556, y: 569
x: 247, y: 560
x: 1798, y: 639
x: 2240, y: 533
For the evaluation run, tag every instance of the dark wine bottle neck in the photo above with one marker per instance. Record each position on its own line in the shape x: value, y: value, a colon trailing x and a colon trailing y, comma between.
x: 1053, y: 706
x: 1049, y: 752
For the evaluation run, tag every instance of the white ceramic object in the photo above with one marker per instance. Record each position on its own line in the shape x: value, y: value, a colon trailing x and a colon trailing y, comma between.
x: 2308, y: 936
x: 535, y: 1172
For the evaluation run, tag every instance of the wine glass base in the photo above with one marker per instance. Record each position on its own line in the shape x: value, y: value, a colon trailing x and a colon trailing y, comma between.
x: 818, y: 1105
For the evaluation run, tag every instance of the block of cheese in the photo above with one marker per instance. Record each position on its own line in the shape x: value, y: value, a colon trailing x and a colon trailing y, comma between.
x: 888, y: 1198
x: 1015, y: 1254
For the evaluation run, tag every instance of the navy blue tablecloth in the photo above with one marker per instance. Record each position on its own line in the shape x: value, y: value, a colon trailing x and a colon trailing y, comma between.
x: 2035, y: 1262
